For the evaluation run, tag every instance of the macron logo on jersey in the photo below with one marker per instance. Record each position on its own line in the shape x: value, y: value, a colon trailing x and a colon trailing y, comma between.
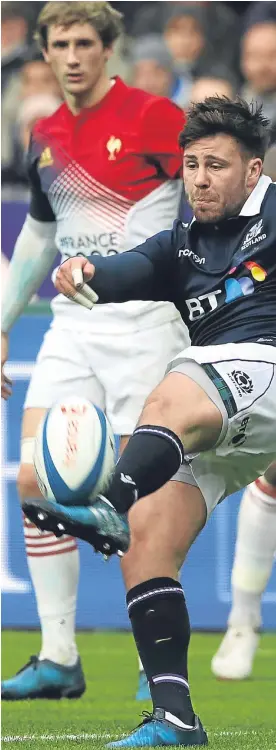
x: 254, y: 235
x: 189, y: 254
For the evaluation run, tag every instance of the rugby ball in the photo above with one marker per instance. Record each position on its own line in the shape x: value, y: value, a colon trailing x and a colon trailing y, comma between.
x: 74, y: 452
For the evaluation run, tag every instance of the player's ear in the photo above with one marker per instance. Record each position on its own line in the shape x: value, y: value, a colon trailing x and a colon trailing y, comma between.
x: 254, y: 171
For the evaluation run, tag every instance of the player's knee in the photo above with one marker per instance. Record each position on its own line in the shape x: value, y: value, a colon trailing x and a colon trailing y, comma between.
x: 159, y: 401
x: 26, y: 482
x: 161, y: 409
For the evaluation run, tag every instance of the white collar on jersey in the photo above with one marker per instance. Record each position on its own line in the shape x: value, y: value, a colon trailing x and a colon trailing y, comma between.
x: 253, y: 204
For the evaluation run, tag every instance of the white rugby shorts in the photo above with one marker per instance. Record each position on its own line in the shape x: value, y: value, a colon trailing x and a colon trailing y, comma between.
x: 241, y: 380
x: 116, y: 371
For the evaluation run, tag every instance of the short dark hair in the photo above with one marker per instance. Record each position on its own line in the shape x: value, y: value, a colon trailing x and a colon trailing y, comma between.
x: 101, y: 15
x: 219, y: 114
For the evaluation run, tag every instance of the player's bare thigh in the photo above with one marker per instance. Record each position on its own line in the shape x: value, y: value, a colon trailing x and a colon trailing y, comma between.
x: 26, y: 481
x: 163, y: 526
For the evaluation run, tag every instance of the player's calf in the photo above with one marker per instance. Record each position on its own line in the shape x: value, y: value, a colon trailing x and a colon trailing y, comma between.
x: 162, y: 527
x: 254, y: 554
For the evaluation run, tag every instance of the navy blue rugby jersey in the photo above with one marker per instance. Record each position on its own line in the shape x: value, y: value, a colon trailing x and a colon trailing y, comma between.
x: 221, y: 277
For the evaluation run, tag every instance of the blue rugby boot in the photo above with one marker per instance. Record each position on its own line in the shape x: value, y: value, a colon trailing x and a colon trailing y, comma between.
x: 158, y: 731
x: 143, y: 691
x: 44, y: 679
x: 98, y: 524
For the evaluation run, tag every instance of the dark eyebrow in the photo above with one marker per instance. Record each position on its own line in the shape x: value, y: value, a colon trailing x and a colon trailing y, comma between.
x: 65, y: 42
x: 85, y: 40
x: 210, y: 157
x: 213, y: 157
x: 60, y: 43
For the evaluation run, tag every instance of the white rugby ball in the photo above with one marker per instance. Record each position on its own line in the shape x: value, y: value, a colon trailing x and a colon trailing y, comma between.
x: 74, y: 452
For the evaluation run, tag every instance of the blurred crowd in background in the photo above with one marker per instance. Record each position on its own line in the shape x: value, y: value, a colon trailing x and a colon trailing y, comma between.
x: 183, y: 50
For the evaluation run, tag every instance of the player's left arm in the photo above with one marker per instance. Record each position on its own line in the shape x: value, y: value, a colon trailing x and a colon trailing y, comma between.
x: 143, y: 273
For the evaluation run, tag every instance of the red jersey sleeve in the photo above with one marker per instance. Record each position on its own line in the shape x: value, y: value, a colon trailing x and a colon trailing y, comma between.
x: 162, y: 122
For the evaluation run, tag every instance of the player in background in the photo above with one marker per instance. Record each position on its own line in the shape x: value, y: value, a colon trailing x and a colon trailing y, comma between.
x: 105, y: 175
x: 254, y: 555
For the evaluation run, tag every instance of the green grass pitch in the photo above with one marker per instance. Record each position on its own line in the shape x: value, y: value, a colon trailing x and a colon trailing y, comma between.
x: 238, y: 716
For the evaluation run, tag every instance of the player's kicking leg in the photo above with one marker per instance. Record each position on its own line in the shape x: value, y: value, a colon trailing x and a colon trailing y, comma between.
x: 54, y: 568
x: 254, y: 553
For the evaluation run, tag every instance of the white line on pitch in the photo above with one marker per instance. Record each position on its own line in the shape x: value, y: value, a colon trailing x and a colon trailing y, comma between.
x: 55, y: 737
x: 76, y: 737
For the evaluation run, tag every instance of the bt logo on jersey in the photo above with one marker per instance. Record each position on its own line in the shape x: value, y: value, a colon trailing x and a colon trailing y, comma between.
x: 234, y: 288
x: 203, y: 304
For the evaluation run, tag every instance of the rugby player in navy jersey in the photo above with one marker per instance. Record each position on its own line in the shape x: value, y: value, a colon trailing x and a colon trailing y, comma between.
x: 210, y: 424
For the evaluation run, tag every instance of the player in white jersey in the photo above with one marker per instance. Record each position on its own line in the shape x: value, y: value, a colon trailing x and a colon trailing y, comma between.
x: 254, y: 555
x: 105, y: 175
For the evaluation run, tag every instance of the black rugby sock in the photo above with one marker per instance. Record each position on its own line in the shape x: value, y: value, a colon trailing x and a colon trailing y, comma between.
x: 161, y: 628
x: 152, y: 456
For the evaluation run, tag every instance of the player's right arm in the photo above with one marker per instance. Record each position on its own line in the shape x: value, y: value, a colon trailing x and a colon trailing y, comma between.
x: 32, y: 259
x: 144, y: 273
